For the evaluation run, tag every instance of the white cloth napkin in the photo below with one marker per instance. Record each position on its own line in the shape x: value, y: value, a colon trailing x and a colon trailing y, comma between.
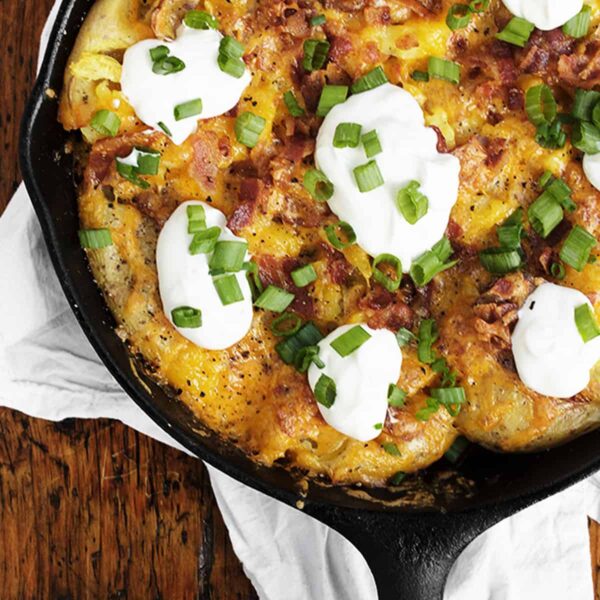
x: 49, y: 370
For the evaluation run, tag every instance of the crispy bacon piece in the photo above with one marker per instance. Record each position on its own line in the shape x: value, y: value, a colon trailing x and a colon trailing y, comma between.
x: 250, y: 195
x: 340, y: 47
x: 386, y: 310
x: 544, y: 51
x: 208, y: 151
x: 581, y: 69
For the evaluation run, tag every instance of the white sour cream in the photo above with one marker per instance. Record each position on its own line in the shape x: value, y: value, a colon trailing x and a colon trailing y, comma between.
x: 591, y: 168
x: 545, y: 14
x: 408, y: 153
x: 154, y: 96
x: 551, y: 357
x: 184, y: 281
x: 362, y: 380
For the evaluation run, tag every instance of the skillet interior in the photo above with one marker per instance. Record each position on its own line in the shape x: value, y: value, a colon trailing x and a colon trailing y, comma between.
x: 485, y: 488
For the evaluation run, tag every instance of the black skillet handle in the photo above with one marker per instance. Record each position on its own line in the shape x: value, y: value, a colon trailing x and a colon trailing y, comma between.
x: 410, y: 556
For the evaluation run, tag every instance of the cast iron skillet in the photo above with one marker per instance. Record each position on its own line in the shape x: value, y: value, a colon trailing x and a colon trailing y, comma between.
x: 411, y: 535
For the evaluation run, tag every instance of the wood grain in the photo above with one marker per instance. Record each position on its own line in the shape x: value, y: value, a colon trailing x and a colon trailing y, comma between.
x: 92, y: 509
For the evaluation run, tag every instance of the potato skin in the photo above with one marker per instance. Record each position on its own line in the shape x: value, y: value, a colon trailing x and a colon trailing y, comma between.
x: 246, y: 392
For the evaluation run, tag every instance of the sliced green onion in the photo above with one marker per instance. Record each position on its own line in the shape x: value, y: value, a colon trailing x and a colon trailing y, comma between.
x: 317, y: 20
x: 158, y: 53
x: 577, y: 248
x: 292, y: 104
x: 431, y: 263
x: 404, y: 337
x: 424, y: 414
x: 478, y: 6
x: 412, y: 203
x: 200, y: 19
x: 510, y: 233
x: 586, y: 137
x: 165, y: 128
x: 551, y: 135
x: 458, y: 17
x: 325, y: 391
x: 187, y: 317
x: 168, y: 65
x: 148, y: 162
x: 371, y: 143
x: 596, y: 115
x: 228, y: 256
x: 188, y: 109
x: 557, y: 270
x: 230, y: 57
x: 540, y: 104
x: 420, y: 75
x: 545, y: 179
x: 130, y: 173
x: 248, y: 128
x: 196, y: 218
x: 308, y: 335
x: 347, y: 135
x: 229, y: 46
x: 456, y: 452
x: 561, y: 192
x: 334, y: 239
x: 204, y: 241
x: 350, y: 341
x: 517, y: 32
x: 275, y: 299
x: 286, y: 324
x: 579, y: 25
x: 306, y: 357
x: 440, y: 68
x: 253, y: 277
x: 396, y: 396
x: 317, y: 184
x: 391, y: 448
x: 228, y: 289
x: 330, y: 96
x: 106, y: 123
x: 368, y: 176
x: 93, y: 239
x: 389, y: 283
x: 586, y: 323
x: 585, y: 101
x: 500, y: 261
x: 451, y: 398
x: 545, y: 214
x: 304, y: 276
x: 315, y: 54
x: 397, y: 478
x: 370, y: 80
x: 427, y: 336
x: 440, y: 366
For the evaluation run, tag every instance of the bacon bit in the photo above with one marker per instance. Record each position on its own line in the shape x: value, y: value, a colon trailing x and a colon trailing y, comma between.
x: 583, y: 69
x: 378, y: 15
x: 311, y: 87
x: 340, y: 47
x: 545, y: 259
x: 423, y: 7
x: 298, y: 147
x: 338, y: 267
x: 543, y: 52
x: 442, y: 145
x: 386, y: 310
x: 454, y: 230
x: 241, y: 216
x: 225, y: 146
x: 515, y: 99
x: 251, y: 189
x: 158, y: 207
x: 407, y: 42
x: 494, y: 149
x: 371, y: 53
x: 296, y: 24
x: 205, y: 163
x: 345, y: 5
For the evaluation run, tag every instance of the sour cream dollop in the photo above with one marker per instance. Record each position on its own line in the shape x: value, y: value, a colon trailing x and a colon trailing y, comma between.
x: 591, y: 168
x: 545, y: 14
x: 408, y: 153
x: 154, y: 97
x: 551, y: 356
x: 362, y: 380
x: 184, y: 280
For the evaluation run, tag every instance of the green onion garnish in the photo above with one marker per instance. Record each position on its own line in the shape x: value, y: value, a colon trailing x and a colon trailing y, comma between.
x: 165, y: 129
x: 456, y: 452
x: 286, y: 324
x: 228, y: 256
x: 412, y: 203
x: 440, y: 366
x: 196, y: 218
x: 248, y: 128
x: 158, y: 53
x: 187, y: 317
x: 558, y: 271
x: 304, y: 276
x: 585, y: 101
x: 306, y: 357
x: 500, y: 261
x: 391, y: 284
x: 200, y: 19
x: 350, y: 341
x: 315, y: 54
x: 167, y: 65
x: 317, y: 20
x: 371, y: 143
x: 586, y: 323
x: 292, y: 104
x: 545, y: 214
x: 397, y: 478
x: 510, y: 233
x: 330, y: 96
x: 275, y: 299
x: 586, y: 137
x: 424, y: 414
x: 517, y: 32
x: 228, y: 289
x: 325, y: 391
x: 458, y: 17
x: 551, y: 135
x: 440, y: 68
x: 404, y: 337
x: 130, y: 173
x: 391, y: 448
x: 204, y: 241
x: 253, y: 277
x: 229, y: 46
x: 579, y: 25
x: 452, y: 398
x: 427, y: 336
x: 188, y: 109
x: 368, y: 176
x: 540, y: 104
x: 431, y: 263
x: 370, y: 80
x: 230, y: 57
x: 106, y: 123
x: 93, y: 239
x: 577, y: 248
x: 478, y: 6
x: 420, y: 75
x: 308, y: 335
x: 561, y: 192
x: 396, y: 396
x: 334, y: 239
x: 347, y: 135
x: 147, y: 162
x: 317, y: 184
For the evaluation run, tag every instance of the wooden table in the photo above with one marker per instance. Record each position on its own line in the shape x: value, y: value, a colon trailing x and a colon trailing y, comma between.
x: 92, y: 509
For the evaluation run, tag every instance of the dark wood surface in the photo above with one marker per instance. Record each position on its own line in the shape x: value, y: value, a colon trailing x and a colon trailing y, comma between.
x: 92, y: 509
